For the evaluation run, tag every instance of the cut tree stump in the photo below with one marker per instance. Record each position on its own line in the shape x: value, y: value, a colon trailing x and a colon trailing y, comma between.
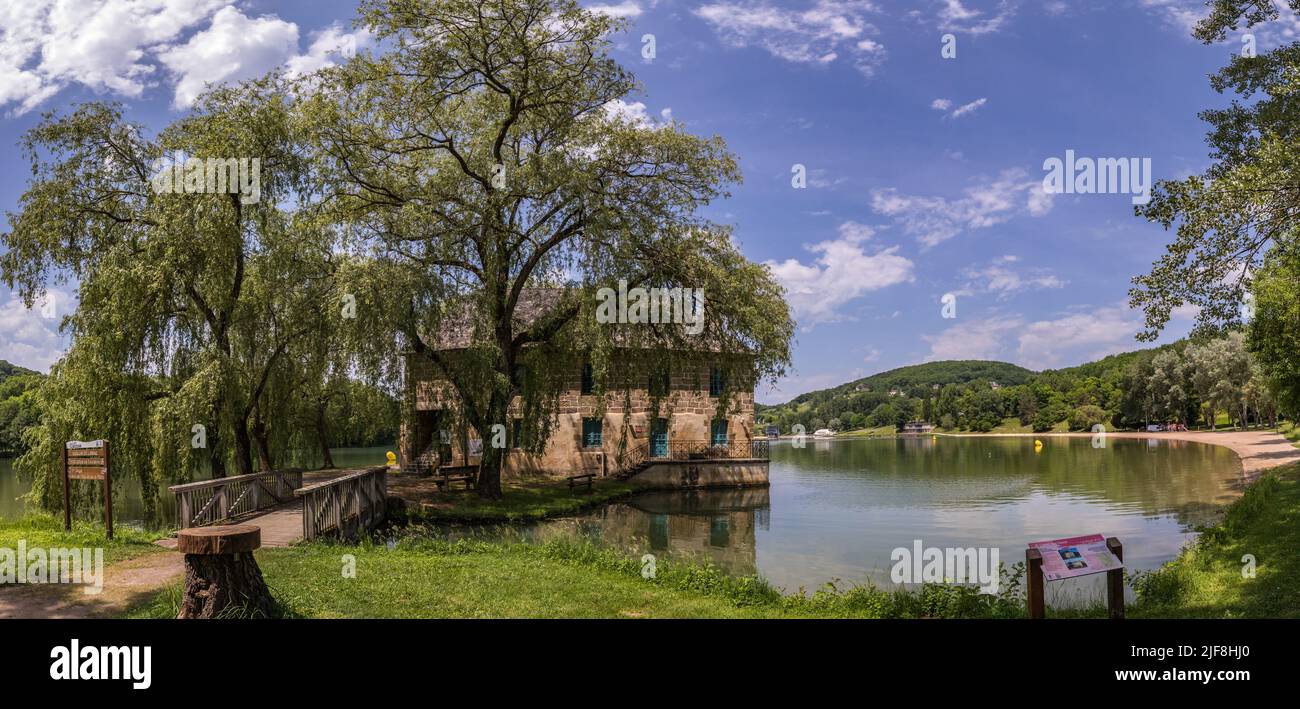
x: 220, y: 571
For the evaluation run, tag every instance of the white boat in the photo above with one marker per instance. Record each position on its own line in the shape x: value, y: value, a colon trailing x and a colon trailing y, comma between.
x: 823, y: 433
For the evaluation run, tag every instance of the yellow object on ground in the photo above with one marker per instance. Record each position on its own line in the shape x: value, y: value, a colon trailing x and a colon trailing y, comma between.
x: 392, y: 458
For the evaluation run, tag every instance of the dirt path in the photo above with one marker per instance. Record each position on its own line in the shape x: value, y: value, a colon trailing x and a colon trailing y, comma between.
x: 125, y: 584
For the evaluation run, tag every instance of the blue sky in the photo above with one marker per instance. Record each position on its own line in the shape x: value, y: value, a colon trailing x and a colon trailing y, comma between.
x: 923, y: 174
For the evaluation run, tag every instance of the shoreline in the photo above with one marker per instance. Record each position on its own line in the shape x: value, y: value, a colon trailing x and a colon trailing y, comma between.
x: 1258, y: 450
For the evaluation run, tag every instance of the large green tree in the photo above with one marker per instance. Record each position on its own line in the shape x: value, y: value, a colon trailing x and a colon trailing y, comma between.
x: 1228, y: 219
x: 191, y: 303
x: 484, y: 152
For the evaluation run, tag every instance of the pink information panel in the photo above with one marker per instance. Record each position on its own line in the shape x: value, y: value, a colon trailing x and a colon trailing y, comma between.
x: 1076, y: 556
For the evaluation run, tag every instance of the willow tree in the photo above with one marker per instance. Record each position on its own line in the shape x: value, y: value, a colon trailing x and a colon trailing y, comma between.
x: 483, y: 152
x: 191, y: 292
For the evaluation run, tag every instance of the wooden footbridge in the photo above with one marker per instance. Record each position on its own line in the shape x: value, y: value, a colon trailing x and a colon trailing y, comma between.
x: 288, y: 505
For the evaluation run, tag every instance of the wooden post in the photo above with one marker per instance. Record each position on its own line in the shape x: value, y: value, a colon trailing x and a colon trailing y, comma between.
x: 1115, y: 582
x: 1034, y: 589
x: 67, y: 493
x: 108, y: 490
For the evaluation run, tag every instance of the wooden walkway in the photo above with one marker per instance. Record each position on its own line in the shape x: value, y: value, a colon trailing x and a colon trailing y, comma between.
x: 281, y: 525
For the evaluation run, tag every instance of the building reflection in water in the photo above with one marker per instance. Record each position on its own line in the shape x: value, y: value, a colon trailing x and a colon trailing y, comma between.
x: 716, y: 526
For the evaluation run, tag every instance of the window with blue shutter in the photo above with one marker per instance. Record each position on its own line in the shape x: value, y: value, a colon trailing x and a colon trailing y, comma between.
x: 715, y: 382
x: 592, y: 430
x: 718, y: 431
x: 587, y: 383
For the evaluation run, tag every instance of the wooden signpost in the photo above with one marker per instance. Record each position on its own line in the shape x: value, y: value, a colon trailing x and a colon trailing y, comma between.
x: 1076, y: 556
x: 87, y: 460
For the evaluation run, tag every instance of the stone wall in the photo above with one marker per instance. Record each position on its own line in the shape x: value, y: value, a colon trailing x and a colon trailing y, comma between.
x: 687, y: 406
x: 694, y: 474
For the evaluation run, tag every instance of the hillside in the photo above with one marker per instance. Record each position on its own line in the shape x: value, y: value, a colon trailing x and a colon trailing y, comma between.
x: 973, y: 395
x: 17, y: 404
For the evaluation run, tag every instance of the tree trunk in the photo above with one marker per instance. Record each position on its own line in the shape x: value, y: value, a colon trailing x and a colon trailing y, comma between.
x: 263, y: 443
x: 243, y: 448
x: 216, y: 582
x: 213, y: 441
x: 322, y: 437
x: 489, y: 468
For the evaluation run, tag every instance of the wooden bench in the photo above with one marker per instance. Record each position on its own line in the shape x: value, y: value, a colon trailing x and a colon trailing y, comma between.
x: 444, y: 482
x: 581, y: 479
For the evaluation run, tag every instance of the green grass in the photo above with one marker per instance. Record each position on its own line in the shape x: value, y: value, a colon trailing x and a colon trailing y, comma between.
x: 1290, y: 431
x: 1206, y: 581
x: 877, y: 432
x: 46, y: 531
x: 422, y: 578
x: 520, y: 502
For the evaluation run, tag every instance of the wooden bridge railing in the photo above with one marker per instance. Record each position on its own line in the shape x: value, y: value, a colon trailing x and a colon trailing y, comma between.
x: 345, y: 506
x: 221, y: 499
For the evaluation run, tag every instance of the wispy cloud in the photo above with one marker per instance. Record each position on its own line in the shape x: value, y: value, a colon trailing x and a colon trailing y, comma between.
x: 933, y: 220
x: 1002, y: 278
x: 820, y: 32
x: 943, y: 104
x: 1073, y: 336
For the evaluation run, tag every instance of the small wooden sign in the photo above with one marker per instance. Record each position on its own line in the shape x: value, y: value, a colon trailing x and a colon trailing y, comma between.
x: 87, y: 460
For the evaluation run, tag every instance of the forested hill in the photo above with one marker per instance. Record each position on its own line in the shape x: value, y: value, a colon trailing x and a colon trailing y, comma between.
x: 916, y: 379
x: 8, y: 369
x: 17, y: 404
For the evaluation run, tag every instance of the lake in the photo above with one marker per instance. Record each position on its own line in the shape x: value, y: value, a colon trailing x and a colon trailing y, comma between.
x: 836, y: 509
x: 128, y: 505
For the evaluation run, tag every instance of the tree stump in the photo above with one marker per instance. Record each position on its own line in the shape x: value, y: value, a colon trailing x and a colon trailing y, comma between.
x: 220, y: 571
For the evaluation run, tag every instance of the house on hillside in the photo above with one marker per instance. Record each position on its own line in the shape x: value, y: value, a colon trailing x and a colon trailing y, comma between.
x: 693, y: 441
x: 917, y: 428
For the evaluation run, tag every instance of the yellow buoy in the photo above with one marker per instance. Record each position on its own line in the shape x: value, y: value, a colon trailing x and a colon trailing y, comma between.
x: 392, y: 459
x: 1038, y: 446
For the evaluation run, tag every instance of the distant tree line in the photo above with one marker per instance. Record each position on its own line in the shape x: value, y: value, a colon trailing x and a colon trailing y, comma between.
x: 1188, y: 383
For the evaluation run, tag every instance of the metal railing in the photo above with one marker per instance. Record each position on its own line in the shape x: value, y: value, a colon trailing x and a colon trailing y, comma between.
x: 707, y: 450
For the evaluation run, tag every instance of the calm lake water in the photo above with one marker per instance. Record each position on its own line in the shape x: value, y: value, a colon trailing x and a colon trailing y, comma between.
x: 128, y: 505
x: 836, y: 509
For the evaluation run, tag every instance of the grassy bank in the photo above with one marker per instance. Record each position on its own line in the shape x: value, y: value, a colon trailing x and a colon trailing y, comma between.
x: 520, y: 502
x: 1207, y: 580
x: 46, y: 531
x: 420, y: 578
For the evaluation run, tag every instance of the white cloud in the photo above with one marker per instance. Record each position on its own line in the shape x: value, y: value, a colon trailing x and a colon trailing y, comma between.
x: 956, y: 17
x: 973, y: 339
x: 933, y: 220
x: 1001, y: 278
x: 28, y: 338
x: 816, y: 33
x: 622, y: 9
x: 1075, y: 336
x: 236, y: 47
x: 1087, y: 334
x: 46, y: 45
x: 842, y: 271
x: 943, y: 104
x: 636, y: 113
x: 117, y: 46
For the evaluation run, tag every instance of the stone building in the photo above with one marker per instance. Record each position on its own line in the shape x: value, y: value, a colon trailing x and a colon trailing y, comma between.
x: 690, y: 423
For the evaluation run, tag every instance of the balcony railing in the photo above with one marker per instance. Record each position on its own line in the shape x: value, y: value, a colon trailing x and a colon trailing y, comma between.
x: 708, y: 450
